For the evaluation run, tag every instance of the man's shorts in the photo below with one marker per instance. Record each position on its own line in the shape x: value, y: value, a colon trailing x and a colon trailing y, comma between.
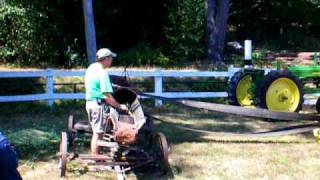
x: 98, y: 114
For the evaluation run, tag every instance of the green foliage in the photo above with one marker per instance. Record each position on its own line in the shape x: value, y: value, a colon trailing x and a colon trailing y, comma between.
x: 25, y: 39
x: 184, y: 31
x: 142, y: 54
x: 73, y: 56
x: 49, y: 33
x: 277, y: 24
x: 34, y: 34
x: 34, y: 140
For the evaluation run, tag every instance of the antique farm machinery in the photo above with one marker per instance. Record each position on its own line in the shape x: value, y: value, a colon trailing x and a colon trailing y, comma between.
x: 121, y: 155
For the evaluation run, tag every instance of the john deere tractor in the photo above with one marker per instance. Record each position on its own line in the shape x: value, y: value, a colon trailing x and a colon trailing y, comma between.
x: 277, y: 90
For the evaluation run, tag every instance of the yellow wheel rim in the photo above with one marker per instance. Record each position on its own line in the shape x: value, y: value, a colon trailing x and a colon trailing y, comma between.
x: 244, y: 91
x: 283, y: 95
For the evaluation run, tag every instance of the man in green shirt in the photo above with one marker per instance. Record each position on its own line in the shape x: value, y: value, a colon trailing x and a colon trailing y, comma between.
x: 99, y: 100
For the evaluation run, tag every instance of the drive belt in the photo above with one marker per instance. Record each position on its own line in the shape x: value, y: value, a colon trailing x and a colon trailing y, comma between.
x: 238, y: 110
x: 243, y: 111
x: 297, y: 129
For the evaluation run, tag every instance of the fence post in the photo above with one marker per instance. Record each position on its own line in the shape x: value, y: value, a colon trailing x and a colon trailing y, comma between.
x: 248, y: 53
x: 50, y: 88
x: 231, y: 71
x: 158, y: 86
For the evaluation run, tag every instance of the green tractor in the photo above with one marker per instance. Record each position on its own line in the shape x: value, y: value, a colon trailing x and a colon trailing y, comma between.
x: 277, y: 90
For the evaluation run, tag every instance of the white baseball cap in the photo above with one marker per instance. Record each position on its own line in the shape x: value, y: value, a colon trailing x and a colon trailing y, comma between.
x: 105, y: 52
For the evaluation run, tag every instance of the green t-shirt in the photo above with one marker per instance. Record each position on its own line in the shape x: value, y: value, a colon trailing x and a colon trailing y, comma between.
x: 97, y: 82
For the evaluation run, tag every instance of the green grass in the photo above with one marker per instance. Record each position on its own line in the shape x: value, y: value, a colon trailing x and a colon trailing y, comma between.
x: 35, y: 132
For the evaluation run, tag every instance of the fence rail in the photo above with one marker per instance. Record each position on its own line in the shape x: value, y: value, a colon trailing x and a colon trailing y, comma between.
x: 50, y: 96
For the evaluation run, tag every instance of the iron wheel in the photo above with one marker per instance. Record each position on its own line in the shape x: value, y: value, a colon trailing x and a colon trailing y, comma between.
x: 161, y: 151
x: 63, y: 154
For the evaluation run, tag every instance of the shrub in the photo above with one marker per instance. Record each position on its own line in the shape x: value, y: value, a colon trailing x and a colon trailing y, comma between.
x: 142, y: 54
x: 33, y: 33
x: 184, y: 31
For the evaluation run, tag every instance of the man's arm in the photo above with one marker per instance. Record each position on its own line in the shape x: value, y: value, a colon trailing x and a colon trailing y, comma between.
x: 112, y: 102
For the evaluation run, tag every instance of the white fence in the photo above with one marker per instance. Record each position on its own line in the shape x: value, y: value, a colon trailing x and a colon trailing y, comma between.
x: 158, y: 76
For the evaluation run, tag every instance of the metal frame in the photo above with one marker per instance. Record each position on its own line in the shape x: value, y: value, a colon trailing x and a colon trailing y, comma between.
x: 118, y: 157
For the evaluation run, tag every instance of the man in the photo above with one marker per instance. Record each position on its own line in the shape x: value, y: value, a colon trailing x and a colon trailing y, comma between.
x: 8, y: 161
x: 99, y: 100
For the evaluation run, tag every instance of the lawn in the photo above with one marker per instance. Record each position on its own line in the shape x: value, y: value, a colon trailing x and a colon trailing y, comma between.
x: 34, y: 130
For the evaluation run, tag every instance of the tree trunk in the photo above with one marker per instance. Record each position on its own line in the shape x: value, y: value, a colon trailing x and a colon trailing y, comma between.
x: 216, y: 25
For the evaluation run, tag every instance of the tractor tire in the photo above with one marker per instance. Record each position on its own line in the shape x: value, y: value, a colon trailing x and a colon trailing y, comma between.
x: 240, y: 89
x: 280, y: 91
x: 318, y: 105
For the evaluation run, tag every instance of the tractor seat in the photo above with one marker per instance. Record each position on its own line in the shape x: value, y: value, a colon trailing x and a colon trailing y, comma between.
x: 83, y: 126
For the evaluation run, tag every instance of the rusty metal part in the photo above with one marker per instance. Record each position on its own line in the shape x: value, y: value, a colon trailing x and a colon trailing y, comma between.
x: 107, y: 144
x: 104, y: 163
x: 71, y: 123
x: 63, y: 154
x: 116, y: 154
x: 99, y: 157
x: 83, y: 126
x: 140, y: 164
x: 71, y: 131
x: 119, y: 80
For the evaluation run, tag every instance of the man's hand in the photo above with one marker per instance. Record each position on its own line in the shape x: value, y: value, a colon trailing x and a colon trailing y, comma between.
x: 123, y: 108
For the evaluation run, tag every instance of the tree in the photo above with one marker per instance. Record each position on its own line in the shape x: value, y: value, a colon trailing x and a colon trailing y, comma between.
x: 217, y: 12
x: 184, y: 31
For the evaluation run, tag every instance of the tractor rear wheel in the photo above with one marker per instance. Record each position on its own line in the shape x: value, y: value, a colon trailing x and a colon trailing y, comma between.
x: 280, y: 91
x: 240, y: 89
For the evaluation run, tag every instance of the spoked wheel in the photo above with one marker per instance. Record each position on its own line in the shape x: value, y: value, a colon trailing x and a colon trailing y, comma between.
x: 161, y: 151
x: 240, y: 89
x: 63, y: 154
x: 280, y: 91
x: 318, y: 105
x: 71, y: 130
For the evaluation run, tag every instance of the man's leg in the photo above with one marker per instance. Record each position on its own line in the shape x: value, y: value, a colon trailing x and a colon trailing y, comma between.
x: 95, y: 149
x: 95, y: 117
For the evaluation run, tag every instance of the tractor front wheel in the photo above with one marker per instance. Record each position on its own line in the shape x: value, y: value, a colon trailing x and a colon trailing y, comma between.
x: 240, y: 89
x: 280, y: 91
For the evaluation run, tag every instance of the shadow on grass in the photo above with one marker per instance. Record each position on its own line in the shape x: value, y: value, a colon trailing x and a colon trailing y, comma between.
x: 172, y: 119
x: 34, y: 129
x: 178, y: 136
